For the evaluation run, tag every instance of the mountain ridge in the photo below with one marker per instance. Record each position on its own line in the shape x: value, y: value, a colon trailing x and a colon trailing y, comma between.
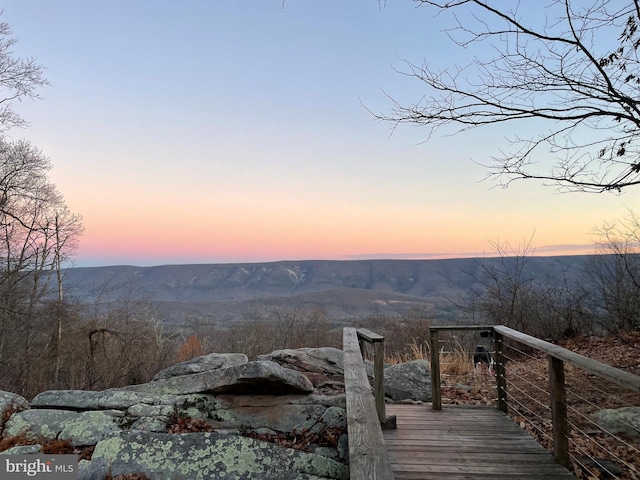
x: 426, y: 283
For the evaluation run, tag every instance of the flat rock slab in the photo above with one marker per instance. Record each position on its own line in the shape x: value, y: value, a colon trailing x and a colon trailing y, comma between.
x: 201, y: 364
x: 261, y: 377
x: 325, y: 360
x: 105, y: 400
x: 203, y: 456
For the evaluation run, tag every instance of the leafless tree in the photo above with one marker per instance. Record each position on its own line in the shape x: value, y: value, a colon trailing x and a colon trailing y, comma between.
x: 568, y: 70
x: 614, y: 275
x: 37, y: 233
x: 511, y: 295
x: 19, y: 79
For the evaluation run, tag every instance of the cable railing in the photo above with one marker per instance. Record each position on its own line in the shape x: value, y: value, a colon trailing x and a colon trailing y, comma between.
x: 556, y: 395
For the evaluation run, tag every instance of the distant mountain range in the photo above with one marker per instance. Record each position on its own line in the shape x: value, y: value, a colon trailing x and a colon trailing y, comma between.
x: 343, y: 289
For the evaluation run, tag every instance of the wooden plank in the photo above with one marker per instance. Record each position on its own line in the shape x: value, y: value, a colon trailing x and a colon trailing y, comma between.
x: 368, y: 456
x: 369, y: 336
x: 464, y: 443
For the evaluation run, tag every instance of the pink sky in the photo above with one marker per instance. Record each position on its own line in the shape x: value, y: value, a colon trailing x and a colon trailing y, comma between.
x: 230, y: 131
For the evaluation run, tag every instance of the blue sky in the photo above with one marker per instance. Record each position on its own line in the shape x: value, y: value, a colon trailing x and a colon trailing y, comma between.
x: 225, y: 131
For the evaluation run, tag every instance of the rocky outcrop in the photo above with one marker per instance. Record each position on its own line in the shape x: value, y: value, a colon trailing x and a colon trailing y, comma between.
x: 216, y: 416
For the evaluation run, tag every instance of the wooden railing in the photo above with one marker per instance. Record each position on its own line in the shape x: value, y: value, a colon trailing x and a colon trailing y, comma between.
x: 557, y: 357
x: 377, y: 341
x: 368, y: 457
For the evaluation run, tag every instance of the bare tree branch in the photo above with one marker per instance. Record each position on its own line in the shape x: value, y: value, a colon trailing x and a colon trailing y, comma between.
x: 575, y: 67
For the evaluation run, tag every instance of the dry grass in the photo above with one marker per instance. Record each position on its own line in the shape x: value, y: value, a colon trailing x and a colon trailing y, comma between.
x: 457, y: 361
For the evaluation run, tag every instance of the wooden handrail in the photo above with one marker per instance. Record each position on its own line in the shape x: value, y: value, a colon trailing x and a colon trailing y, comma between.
x: 620, y: 377
x: 557, y: 356
x: 368, y: 456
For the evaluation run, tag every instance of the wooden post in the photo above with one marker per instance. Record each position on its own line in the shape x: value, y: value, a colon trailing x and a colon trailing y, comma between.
x: 434, y: 351
x: 501, y: 372
x: 364, y: 337
x: 378, y: 368
x: 559, y: 411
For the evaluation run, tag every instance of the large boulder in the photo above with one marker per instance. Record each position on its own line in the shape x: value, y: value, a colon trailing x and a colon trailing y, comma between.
x: 408, y: 381
x: 261, y: 377
x: 620, y: 420
x: 202, y: 456
x: 10, y: 403
x: 201, y: 364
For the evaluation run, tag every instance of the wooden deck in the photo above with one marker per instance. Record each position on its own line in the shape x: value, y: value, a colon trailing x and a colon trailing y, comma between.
x: 458, y: 443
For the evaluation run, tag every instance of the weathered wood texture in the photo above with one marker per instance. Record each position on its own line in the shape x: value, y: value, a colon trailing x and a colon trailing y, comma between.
x: 458, y: 443
x: 369, y: 336
x: 378, y: 368
x: 368, y: 456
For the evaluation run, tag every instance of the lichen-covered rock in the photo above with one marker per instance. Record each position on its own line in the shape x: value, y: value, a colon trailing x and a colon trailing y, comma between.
x: 620, y: 420
x: 334, y: 417
x: 33, y: 423
x: 410, y: 380
x: 196, y: 405
x: 202, y: 456
x: 81, y: 428
x: 105, y: 400
x: 23, y: 450
x: 11, y: 402
x: 260, y: 377
x: 201, y: 364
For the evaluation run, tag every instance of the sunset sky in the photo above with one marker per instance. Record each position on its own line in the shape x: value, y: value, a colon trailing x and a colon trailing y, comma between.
x: 203, y: 131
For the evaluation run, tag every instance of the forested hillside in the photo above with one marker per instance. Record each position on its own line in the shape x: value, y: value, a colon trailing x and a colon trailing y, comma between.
x: 342, y: 289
